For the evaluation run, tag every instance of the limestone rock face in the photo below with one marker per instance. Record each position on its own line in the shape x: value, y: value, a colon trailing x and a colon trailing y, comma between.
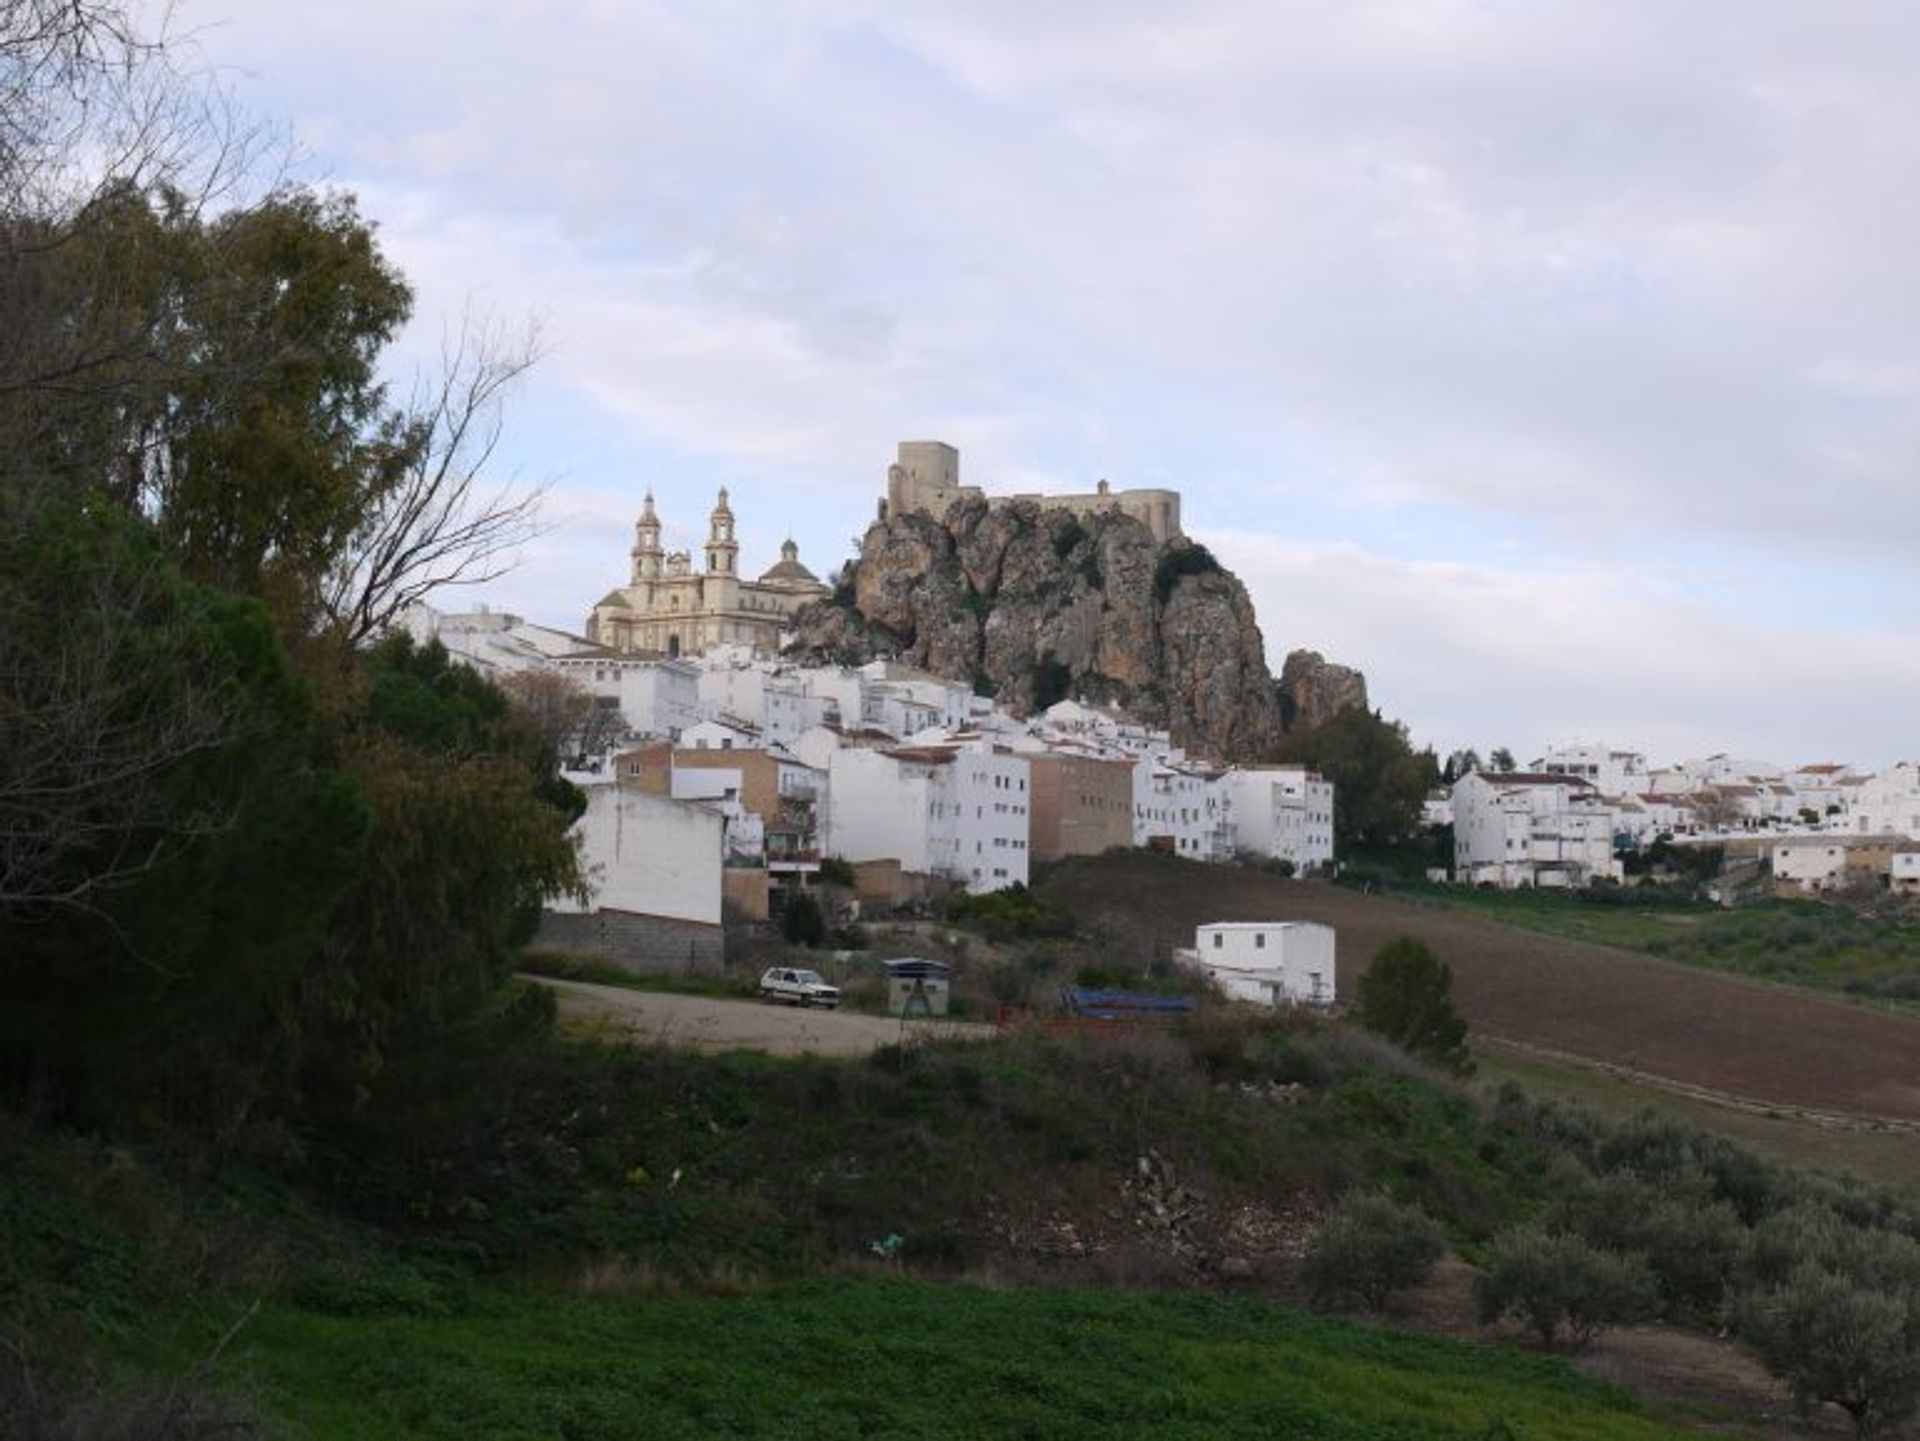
x: 1313, y: 689
x: 1034, y: 605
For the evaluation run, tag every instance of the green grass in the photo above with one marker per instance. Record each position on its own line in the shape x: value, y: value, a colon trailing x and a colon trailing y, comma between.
x: 869, y: 1358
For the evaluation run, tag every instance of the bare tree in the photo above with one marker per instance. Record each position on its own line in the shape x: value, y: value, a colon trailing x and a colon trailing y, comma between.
x: 439, y: 521
x: 570, y: 719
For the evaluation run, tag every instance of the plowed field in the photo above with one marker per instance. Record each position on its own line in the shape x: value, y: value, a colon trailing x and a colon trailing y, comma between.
x: 1718, y: 1032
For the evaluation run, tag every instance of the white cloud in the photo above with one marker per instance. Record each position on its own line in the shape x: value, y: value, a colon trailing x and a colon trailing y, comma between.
x: 1590, y: 293
x: 1523, y: 657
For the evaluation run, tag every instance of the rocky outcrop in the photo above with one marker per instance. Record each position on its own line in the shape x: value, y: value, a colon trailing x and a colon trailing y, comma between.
x: 1313, y: 689
x: 1035, y: 605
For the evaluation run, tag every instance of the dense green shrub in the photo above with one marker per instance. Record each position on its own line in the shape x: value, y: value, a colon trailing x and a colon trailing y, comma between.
x: 1369, y: 1248
x: 1406, y: 995
x: 1830, y: 1338
x: 1561, y: 1286
x: 1689, y: 1242
x: 801, y: 920
x: 1011, y: 914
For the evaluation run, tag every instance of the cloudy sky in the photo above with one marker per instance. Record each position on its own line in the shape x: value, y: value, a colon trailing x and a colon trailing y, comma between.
x: 1558, y: 364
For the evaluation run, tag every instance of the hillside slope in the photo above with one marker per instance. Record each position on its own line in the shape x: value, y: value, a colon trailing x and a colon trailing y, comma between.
x: 1704, y: 1029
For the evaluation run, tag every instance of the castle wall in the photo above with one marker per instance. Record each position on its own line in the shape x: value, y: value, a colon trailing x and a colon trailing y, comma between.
x: 926, y: 477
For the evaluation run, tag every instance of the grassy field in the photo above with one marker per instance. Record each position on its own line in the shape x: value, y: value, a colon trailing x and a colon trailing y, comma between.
x: 865, y: 1358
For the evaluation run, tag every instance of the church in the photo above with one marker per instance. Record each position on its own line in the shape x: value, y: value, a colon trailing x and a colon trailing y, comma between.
x: 668, y: 608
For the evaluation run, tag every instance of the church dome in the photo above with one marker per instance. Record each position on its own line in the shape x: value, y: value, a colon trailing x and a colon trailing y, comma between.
x: 788, y: 569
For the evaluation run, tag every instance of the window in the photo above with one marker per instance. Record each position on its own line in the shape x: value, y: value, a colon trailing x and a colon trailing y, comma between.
x: 1259, y: 940
x: 1218, y: 940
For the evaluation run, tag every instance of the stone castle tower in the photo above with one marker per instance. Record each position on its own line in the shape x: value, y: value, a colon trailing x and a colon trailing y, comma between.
x: 926, y: 477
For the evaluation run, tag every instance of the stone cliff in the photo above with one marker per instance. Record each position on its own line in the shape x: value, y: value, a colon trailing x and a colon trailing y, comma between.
x: 1313, y: 689
x: 1035, y: 605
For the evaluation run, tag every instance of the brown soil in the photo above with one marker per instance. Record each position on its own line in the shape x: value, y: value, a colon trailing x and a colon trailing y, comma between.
x: 1718, y: 1033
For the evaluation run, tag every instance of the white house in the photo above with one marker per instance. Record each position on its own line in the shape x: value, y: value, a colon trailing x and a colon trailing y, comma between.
x: 956, y: 810
x: 1608, y: 770
x: 1182, y: 807
x: 653, y: 866
x: 493, y: 642
x: 657, y: 697
x: 721, y: 734
x: 1814, y: 863
x: 1887, y: 803
x: 1903, y: 873
x: 1284, y: 813
x: 1521, y: 828
x: 1270, y: 963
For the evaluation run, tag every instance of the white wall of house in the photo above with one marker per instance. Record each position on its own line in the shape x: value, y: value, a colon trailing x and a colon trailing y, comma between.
x: 879, y: 808
x: 1531, y: 830
x: 1903, y: 875
x: 658, y: 697
x: 1887, y: 803
x: 1181, y: 807
x: 1609, y: 770
x: 1283, y: 812
x: 988, y: 788
x: 649, y: 854
x: 719, y: 735
x: 1271, y: 963
x: 1813, y: 865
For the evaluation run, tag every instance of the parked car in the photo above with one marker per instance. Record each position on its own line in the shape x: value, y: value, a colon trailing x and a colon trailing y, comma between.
x: 797, y: 987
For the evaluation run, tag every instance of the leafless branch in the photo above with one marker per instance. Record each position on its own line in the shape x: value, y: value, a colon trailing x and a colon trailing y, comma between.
x: 439, y: 522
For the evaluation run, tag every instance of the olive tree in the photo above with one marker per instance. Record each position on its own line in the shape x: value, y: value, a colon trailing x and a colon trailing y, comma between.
x: 1561, y: 1286
x: 1370, y: 1247
x: 1832, y: 1339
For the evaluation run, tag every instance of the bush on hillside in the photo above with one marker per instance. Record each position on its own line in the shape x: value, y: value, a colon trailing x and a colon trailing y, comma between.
x: 1406, y: 995
x: 1012, y: 914
x: 1370, y: 1248
x: 1831, y: 1339
x: 1689, y: 1242
x: 1559, y: 1286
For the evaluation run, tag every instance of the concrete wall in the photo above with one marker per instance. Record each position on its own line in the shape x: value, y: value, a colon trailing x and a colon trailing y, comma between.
x: 644, y: 945
x: 744, y: 890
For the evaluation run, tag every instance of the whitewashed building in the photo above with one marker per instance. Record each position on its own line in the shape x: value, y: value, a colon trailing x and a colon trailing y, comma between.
x: 1522, y: 828
x: 1268, y: 963
x: 1609, y: 770
x: 1283, y: 813
x: 1813, y: 863
x: 958, y: 811
x: 657, y: 697
x: 1887, y: 803
x: 1903, y: 874
x: 1182, y: 808
x: 653, y: 866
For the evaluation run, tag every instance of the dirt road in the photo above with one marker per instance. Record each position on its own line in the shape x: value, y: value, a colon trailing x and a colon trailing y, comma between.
x: 722, y: 1025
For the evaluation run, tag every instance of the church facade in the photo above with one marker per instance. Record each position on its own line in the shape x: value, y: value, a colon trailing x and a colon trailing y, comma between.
x: 669, y: 608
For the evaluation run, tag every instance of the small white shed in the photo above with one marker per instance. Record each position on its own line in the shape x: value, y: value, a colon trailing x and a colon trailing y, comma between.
x: 1270, y: 963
